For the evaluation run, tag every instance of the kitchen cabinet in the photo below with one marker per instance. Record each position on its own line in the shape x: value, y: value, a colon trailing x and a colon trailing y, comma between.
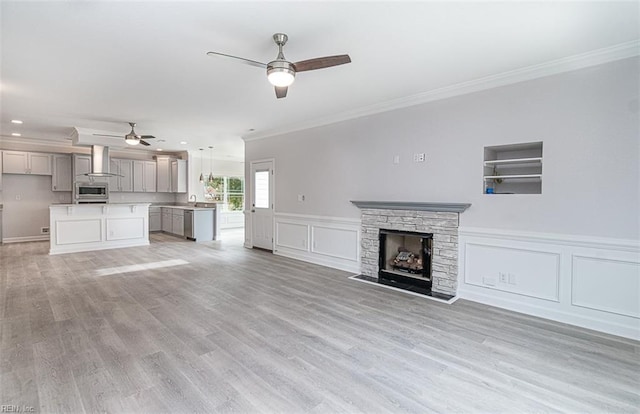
x: 20, y: 162
x: 178, y: 222
x: 171, y: 175
x: 167, y: 220
x: 179, y: 176
x: 163, y: 175
x: 61, y: 179
x: 122, y: 183
x: 144, y: 176
x: 155, y: 219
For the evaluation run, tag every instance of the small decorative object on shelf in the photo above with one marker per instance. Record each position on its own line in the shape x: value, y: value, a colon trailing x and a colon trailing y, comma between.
x: 513, y: 169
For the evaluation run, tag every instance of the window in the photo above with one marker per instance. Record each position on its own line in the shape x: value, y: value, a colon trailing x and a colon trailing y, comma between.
x: 226, y: 190
x: 262, y: 189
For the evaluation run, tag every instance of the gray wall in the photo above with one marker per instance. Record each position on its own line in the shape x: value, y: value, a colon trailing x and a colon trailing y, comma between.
x: 587, y: 119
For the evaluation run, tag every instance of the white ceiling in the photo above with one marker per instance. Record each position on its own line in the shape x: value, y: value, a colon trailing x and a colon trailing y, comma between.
x: 98, y: 65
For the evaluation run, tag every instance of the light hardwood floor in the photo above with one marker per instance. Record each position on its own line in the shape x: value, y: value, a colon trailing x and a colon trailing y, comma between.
x: 238, y: 330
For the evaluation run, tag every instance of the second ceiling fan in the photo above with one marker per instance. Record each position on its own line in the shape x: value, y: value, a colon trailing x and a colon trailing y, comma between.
x: 131, y: 138
x: 280, y: 72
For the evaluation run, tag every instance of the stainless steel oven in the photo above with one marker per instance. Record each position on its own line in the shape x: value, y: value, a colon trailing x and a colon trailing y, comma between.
x: 86, y: 193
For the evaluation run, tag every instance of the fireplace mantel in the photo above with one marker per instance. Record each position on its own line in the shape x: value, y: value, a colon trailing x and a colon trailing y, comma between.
x: 415, y: 206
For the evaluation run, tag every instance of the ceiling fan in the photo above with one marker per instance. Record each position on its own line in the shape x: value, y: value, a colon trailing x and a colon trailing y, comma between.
x: 131, y: 138
x: 280, y: 72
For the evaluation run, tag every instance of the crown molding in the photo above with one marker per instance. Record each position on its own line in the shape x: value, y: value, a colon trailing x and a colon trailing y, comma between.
x: 22, y: 141
x: 566, y: 64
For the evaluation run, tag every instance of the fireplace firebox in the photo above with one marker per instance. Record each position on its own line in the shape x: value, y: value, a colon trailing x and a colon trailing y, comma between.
x: 405, y: 260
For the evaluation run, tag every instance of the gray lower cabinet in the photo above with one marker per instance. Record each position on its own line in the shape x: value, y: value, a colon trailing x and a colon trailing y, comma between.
x: 167, y: 221
x: 178, y: 222
x: 173, y: 220
x: 155, y: 219
x: 195, y: 224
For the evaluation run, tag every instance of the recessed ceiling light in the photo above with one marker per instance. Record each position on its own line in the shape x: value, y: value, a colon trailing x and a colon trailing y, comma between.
x: 183, y: 142
x: 16, y: 134
x: 16, y: 121
x: 159, y: 149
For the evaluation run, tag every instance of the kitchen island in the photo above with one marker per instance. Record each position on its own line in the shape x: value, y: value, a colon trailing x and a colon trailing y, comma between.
x: 86, y: 227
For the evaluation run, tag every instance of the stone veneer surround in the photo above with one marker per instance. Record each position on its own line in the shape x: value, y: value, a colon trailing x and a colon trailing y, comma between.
x: 444, y: 255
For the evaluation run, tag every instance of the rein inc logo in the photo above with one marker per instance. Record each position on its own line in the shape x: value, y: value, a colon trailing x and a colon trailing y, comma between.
x: 9, y: 408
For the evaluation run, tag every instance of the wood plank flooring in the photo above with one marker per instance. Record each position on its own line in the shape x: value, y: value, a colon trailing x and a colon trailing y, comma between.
x: 238, y: 330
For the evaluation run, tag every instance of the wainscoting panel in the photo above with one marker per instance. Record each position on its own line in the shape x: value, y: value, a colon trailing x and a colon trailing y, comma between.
x: 292, y: 235
x: 79, y: 231
x: 327, y: 241
x: 335, y: 242
x: 606, y: 285
x: 593, y: 283
x: 125, y: 228
x: 519, y: 271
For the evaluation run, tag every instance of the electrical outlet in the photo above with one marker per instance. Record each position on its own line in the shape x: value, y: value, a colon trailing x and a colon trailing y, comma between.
x: 18, y: 197
x: 396, y: 159
x: 301, y: 198
x: 419, y: 157
x: 503, y: 277
x: 44, y: 230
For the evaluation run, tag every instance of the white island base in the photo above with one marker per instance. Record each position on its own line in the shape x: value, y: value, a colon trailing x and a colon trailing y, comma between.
x: 86, y: 227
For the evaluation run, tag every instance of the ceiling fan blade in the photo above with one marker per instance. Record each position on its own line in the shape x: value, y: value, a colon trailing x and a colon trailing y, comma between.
x: 105, y: 135
x: 322, y: 62
x: 143, y: 142
x: 281, y: 91
x: 147, y: 136
x: 243, y: 60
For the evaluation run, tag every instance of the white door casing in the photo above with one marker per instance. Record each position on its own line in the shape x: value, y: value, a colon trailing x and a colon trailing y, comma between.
x: 262, y: 203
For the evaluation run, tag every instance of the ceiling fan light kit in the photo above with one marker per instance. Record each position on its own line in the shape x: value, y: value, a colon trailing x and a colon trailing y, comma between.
x: 280, y: 72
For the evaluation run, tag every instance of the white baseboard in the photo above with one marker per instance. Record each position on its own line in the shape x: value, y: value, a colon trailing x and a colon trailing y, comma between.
x: 627, y: 330
x: 87, y: 247
x: 23, y: 239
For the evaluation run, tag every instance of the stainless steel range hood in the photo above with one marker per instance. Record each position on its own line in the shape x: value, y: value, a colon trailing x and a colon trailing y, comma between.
x: 100, y: 162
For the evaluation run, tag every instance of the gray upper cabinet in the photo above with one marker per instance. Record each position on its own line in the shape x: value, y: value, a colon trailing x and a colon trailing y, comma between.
x: 172, y: 175
x: 20, y: 162
x: 144, y: 176
x: 123, y: 182
x: 62, y: 179
x: 179, y: 176
x: 164, y: 175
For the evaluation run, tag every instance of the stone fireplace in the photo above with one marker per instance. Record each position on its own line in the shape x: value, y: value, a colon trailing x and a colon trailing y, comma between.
x: 438, y: 220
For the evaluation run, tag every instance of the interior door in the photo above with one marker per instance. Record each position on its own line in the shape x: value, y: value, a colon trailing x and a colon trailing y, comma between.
x: 262, y: 204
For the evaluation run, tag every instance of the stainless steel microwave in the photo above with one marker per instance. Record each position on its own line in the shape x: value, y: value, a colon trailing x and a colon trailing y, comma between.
x: 92, y: 193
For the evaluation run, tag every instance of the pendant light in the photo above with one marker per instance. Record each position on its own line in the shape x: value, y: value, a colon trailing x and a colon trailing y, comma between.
x: 211, y: 165
x: 201, y: 175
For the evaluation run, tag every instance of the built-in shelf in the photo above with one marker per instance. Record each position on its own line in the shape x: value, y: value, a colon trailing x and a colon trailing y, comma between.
x: 513, y: 169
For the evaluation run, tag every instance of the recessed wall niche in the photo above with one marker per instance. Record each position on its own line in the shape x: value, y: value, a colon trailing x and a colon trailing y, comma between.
x: 513, y: 169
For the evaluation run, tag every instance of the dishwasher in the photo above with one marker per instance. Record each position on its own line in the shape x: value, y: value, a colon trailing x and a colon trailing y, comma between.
x: 188, y: 224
